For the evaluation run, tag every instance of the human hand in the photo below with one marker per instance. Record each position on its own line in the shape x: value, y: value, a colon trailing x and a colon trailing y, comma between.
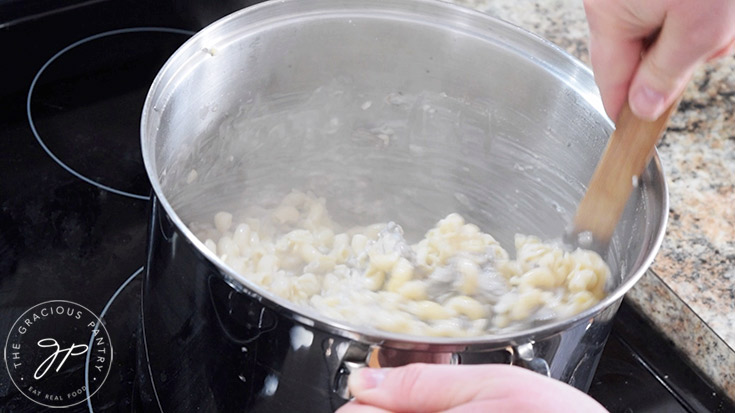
x: 462, y: 389
x: 686, y: 33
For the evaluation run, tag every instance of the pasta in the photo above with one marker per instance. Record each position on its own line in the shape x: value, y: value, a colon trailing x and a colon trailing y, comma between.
x: 455, y: 282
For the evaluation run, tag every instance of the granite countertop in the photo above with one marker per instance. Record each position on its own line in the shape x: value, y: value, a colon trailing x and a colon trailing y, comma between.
x: 690, y: 294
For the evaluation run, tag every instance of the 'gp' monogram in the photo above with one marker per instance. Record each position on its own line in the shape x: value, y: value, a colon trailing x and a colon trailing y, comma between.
x: 74, y: 350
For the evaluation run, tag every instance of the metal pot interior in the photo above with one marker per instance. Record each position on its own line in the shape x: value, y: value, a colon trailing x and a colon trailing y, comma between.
x: 393, y: 111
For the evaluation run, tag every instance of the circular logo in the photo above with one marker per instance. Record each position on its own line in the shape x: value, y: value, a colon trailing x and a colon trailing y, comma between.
x: 47, y: 351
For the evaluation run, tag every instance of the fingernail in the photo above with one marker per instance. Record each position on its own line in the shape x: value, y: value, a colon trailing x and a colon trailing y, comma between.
x: 366, y: 379
x: 647, y: 103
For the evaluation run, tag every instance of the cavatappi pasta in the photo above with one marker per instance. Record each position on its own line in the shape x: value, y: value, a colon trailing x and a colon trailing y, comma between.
x: 456, y: 281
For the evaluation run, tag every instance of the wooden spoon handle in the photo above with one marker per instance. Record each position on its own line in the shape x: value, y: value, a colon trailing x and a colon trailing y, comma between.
x: 627, y: 153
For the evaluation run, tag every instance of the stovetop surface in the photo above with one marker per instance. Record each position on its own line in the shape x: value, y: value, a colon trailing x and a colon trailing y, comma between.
x: 74, y: 197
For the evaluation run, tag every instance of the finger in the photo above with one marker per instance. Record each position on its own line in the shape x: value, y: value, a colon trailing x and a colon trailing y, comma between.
x: 687, y: 39
x: 613, y: 72
x: 419, y: 387
x: 355, y: 407
x: 430, y: 387
x: 617, y: 35
x: 727, y: 50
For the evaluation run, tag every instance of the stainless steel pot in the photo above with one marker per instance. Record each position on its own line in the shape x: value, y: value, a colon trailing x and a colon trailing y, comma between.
x: 392, y: 110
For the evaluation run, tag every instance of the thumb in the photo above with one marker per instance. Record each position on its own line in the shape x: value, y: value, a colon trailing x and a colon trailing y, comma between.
x: 494, y: 387
x: 685, y: 41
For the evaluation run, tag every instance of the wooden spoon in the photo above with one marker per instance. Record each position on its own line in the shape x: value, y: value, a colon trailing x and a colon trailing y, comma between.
x: 626, y: 155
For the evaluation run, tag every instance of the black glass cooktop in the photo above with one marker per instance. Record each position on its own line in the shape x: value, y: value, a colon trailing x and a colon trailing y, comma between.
x: 74, y: 205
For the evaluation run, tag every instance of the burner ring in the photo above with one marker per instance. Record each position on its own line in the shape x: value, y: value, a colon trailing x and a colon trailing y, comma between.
x: 49, y: 62
x: 91, y: 339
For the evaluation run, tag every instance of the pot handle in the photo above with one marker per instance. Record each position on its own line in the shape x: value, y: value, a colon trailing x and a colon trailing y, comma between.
x: 355, y: 358
x: 525, y: 357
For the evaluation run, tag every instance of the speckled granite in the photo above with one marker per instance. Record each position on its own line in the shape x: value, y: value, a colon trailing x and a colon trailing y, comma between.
x: 691, y: 296
x: 672, y: 315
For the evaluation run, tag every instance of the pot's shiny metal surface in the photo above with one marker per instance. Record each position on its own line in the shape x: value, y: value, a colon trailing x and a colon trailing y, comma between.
x: 392, y: 110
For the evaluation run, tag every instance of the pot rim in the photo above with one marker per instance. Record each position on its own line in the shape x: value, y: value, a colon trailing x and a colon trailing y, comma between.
x: 458, y: 16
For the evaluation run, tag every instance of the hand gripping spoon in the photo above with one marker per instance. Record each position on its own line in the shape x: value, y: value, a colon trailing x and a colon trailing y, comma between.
x: 626, y: 155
